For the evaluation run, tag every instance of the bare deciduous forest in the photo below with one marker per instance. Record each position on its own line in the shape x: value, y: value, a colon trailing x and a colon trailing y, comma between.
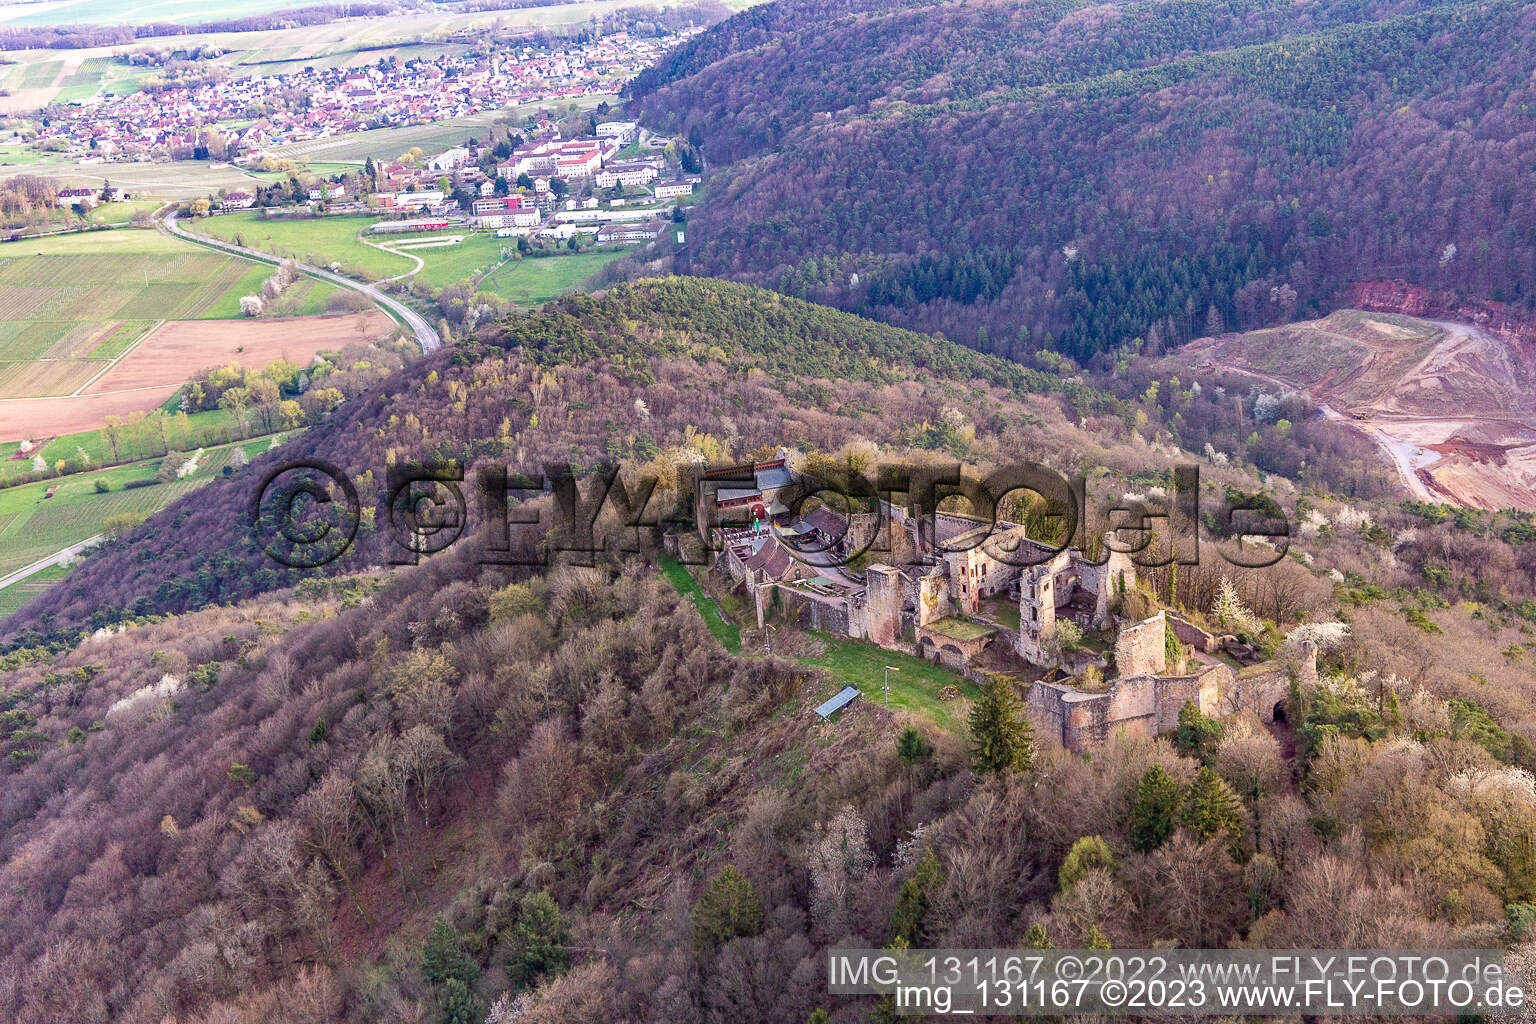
x: 442, y: 790
x: 455, y: 792
x: 1072, y: 176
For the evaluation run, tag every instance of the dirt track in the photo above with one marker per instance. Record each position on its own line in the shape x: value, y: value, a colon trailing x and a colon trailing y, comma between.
x: 1454, y: 410
x: 152, y: 371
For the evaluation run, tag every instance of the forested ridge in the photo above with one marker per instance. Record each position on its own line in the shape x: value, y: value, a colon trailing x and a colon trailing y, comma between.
x: 1019, y: 176
x: 681, y: 344
x: 466, y: 793
x: 459, y: 792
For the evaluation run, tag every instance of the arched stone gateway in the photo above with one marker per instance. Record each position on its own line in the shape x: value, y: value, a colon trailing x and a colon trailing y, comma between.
x: 954, y: 642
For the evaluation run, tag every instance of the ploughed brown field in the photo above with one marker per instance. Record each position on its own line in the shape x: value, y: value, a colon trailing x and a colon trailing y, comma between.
x: 163, y: 361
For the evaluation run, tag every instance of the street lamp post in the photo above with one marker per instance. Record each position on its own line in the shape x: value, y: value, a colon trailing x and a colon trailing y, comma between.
x: 888, y: 670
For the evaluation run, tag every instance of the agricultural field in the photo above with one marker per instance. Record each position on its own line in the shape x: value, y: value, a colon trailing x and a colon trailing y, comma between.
x: 532, y: 282
x: 38, y: 78
x: 122, y: 212
x: 154, y: 370
x: 178, y: 347
x: 18, y: 594
x: 281, y: 61
x: 389, y: 143
x: 42, y: 77
x: 72, y: 303
x: 18, y: 154
x: 184, y: 179
x: 33, y: 527
x: 35, y: 76
x: 135, y: 12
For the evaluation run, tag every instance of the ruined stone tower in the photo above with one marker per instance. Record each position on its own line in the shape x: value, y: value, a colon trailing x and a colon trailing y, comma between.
x: 883, y: 591
x: 1037, y: 611
x: 1141, y: 649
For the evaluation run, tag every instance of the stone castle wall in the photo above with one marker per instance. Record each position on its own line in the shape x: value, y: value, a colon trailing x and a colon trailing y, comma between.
x: 1136, y: 706
x: 1264, y: 687
x: 1191, y: 635
x: 808, y: 611
x: 883, y: 599
x: 1141, y: 649
x: 1149, y: 705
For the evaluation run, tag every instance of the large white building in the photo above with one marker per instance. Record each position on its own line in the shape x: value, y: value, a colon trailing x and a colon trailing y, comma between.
x: 450, y: 160
x: 630, y: 174
x: 624, y: 131
x: 505, y: 212
x: 569, y: 158
x: 674, y: 188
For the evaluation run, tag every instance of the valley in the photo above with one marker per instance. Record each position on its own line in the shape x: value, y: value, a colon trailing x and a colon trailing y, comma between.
x: 574, y: 512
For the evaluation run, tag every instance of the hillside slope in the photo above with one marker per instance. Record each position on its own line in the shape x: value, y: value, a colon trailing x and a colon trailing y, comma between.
x: 409, y: 794
x: 747, y: 366
x: 1453, y: 405
x: 1081, y: 175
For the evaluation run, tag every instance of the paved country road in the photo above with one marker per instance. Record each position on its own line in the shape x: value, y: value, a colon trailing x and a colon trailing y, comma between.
x: 56, y: 558
x: 426, y: 336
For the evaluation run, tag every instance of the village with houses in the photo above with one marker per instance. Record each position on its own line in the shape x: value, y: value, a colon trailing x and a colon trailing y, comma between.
x: 617, y: 187
x: 547, y: 187
x: 1092, y: 654
x: 241, y: 119
x: 440, y: 169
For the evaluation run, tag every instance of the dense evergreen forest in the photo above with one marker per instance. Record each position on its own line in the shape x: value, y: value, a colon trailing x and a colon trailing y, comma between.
x: 1072, y: 176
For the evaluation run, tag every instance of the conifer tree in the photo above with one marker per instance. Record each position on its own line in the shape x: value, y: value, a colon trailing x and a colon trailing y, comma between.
x: 728, y: 909
x: 1001, y: 737
x: 537, y: 944
x: 1154, y: 809
x: 909, y: 919
x: 912, y: 747
x: 443, y: 957
x: 1211, y: 807
x: 460, y: 1004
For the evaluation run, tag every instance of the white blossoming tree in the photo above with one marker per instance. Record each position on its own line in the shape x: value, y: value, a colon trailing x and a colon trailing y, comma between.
x: 1232, y: 613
